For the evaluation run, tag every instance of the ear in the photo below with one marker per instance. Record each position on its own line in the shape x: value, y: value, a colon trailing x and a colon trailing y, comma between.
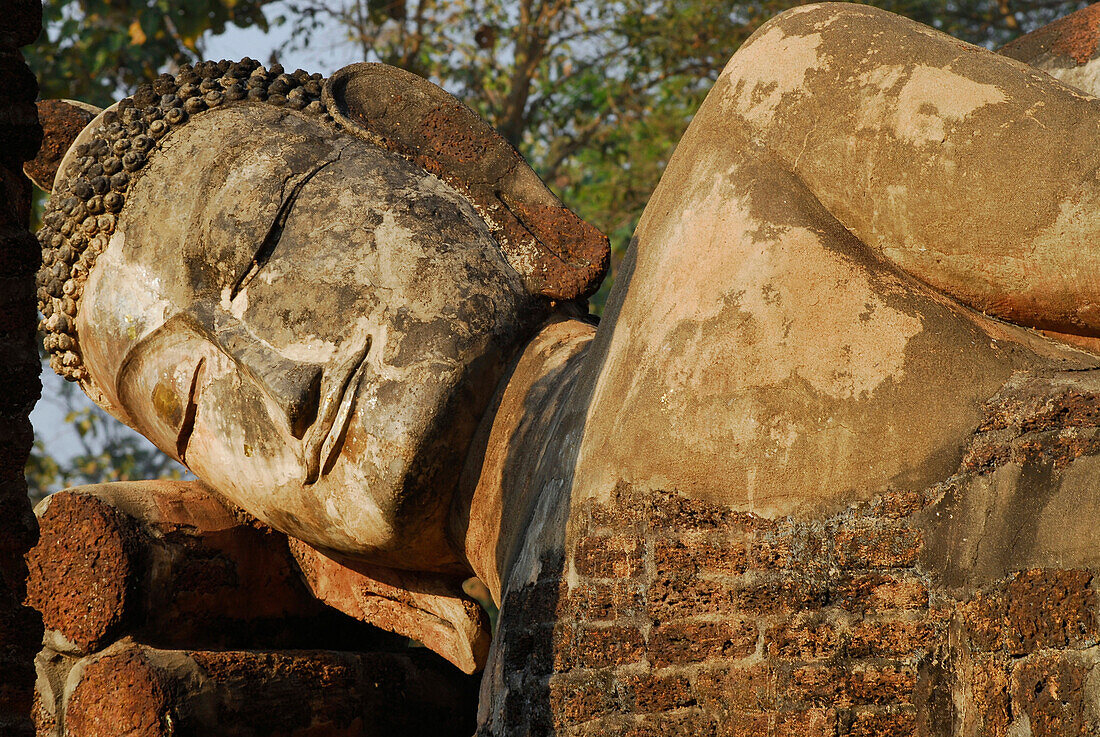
x: 559, y: 255
x: 62, y: 121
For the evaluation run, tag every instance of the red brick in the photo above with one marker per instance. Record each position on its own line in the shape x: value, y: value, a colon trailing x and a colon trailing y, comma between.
x: 873, y: 547
x: 606, y: 600
x: 891, y: 724
x: 788, y: 546
x: 850, y: 685
x: 669, y: 510
x: 804, y: 639
x: 1051, y: 609
x: 809, y: 723
x: 604, y: 647
x: 1051, y: 690
x: 787, y: 594
x: 985, y: 621
x: 697, y: 641
x: 680, y: 723
x: 657, y: 692
x: 692, y: 553
x: 612, y: 556
x: 891, y: 639
x: 575, y: 699
x: 744, y: 724
x: 626, y: 510
x: 744, y: 688
x: 684, y: 723
x: 879, y: 592
x: 1034, y: 610
x: 676, y: 597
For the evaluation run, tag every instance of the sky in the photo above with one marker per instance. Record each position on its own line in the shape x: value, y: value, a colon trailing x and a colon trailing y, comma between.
x: 329, y: 50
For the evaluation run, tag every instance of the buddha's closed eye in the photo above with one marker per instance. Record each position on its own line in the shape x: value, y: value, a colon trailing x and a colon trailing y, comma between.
x: 275, y: 232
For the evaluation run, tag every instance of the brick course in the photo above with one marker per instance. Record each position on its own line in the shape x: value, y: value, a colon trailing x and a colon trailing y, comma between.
x: 667, y: 615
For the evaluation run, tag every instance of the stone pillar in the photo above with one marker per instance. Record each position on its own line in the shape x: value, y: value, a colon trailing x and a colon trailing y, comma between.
x: 20, y: 627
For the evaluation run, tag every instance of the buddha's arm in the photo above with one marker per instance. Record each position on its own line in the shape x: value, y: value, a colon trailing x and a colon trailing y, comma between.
x: 970, y: 171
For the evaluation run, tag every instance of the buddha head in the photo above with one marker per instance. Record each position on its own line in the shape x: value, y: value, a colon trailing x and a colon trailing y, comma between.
x: 306, y: 290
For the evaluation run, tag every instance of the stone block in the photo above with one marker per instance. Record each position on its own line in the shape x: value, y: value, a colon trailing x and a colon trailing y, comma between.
x: 695, y: 641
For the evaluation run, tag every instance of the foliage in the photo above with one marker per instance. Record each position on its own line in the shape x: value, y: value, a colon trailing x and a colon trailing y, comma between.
x: 93, y: 50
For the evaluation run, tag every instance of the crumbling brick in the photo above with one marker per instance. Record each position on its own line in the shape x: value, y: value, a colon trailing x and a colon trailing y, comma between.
x: 695, y: 641
x: 657, y: 692
x: 612, y: 556
x: 873, y: 547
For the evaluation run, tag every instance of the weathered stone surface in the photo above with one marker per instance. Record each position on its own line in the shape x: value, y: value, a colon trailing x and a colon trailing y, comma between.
x: 826, y: 467
x: 853, y: 661
x: 62, y: 122
x: 136, y: 690
x: 83, y: 573
x: 431, y: 610
x: 171, y: 565
x: 560, y: 255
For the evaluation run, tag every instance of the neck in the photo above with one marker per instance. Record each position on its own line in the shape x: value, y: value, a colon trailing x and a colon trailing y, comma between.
x: 514, y: 467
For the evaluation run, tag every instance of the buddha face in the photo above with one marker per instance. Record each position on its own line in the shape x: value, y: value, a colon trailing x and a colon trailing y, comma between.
x: 313, y: 325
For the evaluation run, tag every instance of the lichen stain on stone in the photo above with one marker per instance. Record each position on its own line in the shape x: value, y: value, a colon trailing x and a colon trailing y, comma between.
x: 874, y: 103
x: 769, y: 68
x: 786, y: 297
x: 934, y: 98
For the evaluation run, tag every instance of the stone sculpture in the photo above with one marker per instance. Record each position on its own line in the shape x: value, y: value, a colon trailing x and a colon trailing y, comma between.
x: 827, y: 465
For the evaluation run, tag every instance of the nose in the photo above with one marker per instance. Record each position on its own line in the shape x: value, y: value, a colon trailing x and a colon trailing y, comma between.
x: 294, y: 386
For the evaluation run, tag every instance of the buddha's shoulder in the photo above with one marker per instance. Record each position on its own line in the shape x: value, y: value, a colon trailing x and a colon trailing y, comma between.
x: 801, y: 379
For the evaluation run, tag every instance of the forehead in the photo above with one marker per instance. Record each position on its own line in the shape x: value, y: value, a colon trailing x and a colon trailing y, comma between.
x: 217, y: 186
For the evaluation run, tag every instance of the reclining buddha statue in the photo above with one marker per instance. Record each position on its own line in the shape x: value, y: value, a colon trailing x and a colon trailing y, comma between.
x: 829, y: 463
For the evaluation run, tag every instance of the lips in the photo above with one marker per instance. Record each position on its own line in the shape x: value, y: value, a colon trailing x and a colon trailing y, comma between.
x: 323, y: 445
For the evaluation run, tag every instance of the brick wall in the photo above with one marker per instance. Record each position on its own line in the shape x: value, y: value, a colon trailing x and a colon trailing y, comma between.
x: 20, y: 628
x: 671, y: 616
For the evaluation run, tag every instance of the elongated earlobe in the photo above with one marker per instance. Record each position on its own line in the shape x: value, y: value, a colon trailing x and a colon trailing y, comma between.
x: 62, y: 121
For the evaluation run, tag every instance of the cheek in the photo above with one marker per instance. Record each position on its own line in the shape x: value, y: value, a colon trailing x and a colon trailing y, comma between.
x: 114, y: 316
x: 157, y: 385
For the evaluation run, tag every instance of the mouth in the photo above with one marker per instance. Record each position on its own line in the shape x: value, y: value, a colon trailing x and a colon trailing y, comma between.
x: 323, y: 445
